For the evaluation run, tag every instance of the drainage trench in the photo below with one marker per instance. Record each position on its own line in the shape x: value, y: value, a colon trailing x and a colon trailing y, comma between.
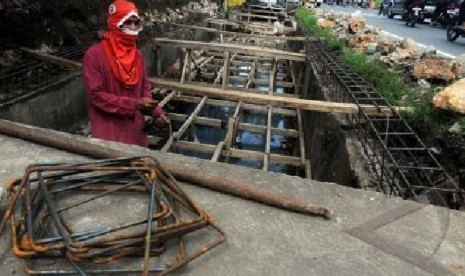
x: 284, y: 140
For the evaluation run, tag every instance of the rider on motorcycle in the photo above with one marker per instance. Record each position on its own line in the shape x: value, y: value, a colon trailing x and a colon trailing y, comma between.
x: 441, y: 8
x: 462, y: 14
x: 410, y: 4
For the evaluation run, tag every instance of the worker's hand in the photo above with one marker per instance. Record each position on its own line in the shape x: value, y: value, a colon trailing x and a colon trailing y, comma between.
x: 162, y: 120
x: 146, y: 105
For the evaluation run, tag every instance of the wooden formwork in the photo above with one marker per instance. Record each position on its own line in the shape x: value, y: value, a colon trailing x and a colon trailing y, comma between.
x: 238, y: 63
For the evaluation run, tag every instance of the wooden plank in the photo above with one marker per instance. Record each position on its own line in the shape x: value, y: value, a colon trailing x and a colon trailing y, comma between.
x: 312, y: 105
x: 272, y: 81
x: 254, y: 26
x: 225, y: 81
x: 220, y: 72
x: 54, y: 59
x: 246, y: 106
x: 177, y: 135
x: 242, y: 90
x: 266, y: 156
x: 168, y: 144
x: 167, y: 98
x: 228, y: 139
x: 192, y: 146
x: 261, y: 81
x: 213, y: 30
x: 217, y: 153
x: 301, y: 140
x: 274, y: 158
x: 232, y: 48
x: 308, y: 169
x: 185, y: 65
x: 237, y: 153
x: 211, y: 122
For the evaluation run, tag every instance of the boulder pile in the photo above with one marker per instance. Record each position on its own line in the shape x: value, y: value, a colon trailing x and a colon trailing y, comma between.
x: 423, y: 66
x: 404, y: 56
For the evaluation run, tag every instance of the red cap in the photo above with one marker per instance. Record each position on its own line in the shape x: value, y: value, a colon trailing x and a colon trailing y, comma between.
x: 120, y: 11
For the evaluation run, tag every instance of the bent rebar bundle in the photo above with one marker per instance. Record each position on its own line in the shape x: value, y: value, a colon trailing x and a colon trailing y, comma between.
x: 124, y: 216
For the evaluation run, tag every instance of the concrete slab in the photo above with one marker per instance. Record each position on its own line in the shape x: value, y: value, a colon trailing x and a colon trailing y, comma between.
x: 370, y: 234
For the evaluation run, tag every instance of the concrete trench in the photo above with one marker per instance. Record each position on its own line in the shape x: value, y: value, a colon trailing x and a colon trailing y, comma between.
x: 324, y: 139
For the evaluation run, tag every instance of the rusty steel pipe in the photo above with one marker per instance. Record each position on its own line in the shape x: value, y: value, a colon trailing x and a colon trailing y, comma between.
x: 228, y: 186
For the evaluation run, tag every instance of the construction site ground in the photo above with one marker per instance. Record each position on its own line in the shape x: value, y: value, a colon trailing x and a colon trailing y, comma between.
x: 369, y: 233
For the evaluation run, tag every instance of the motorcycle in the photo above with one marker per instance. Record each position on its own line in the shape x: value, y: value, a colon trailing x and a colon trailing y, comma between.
x: 454, y: 30
x: 445, y: 17
x: 412, y: 15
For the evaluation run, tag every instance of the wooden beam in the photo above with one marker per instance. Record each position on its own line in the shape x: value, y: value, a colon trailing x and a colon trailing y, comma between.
x: 266, y: 155
x: 177, y: 135
x: 54, y: 59
x: 217, y: 152
x: 312, y: 105
x: 225, y: 80
x: 213, y: 30
x: 252, y: 107
x: 232, y: 48
x: 237, y: 153
x: 261, y: 81
x: 186, y: 66
x: 167, y: 98
x: 211, y: 122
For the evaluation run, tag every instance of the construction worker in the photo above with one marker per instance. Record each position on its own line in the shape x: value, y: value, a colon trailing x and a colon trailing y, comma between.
x: 115, y: 78
x: 278, y: 25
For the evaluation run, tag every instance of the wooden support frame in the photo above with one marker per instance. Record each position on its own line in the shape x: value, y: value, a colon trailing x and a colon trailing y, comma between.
x: 245, y: 106
x: 232, y: 48
x: 221, y: 32
x: 312, y: 105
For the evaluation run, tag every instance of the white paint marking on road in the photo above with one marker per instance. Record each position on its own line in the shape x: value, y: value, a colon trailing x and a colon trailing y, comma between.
x: 394, y: 36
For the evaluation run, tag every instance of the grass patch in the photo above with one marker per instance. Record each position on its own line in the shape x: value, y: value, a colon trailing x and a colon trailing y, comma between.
x: 389, y: 84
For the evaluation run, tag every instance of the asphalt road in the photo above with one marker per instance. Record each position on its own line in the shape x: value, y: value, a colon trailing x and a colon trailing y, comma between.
x: 424, y: 34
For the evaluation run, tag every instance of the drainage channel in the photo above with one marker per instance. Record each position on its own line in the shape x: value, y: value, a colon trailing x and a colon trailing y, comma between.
x: 257, y: 136
x: 401, y: 162
x: 30, y: 75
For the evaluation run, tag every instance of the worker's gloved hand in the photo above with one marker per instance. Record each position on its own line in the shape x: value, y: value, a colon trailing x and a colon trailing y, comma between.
x: 162, y: 120
x: 146, y: 105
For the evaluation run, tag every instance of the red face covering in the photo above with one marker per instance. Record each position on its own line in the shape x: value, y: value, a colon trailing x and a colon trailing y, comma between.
x: 120, y: 48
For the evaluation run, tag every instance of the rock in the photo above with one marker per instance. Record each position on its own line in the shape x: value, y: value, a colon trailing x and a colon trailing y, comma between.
x: 452, y: 97
x: 360, y: 41
x: 383, y: 41
x: 408, y: 43
x: 455, y: 128
x: 461, y: 62
x: 435, y: 68
x: 8, y: 58
x: 356, y: 24
x: 371, y: 48
x: 424, y: 84
x: 324, y: 23
x: 401, y: 54
x: 382, y: 49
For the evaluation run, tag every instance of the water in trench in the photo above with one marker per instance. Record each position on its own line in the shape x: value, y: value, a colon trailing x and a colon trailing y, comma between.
x: 245, y: 140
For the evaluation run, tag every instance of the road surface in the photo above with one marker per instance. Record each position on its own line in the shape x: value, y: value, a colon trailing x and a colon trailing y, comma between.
x: 424, y: 34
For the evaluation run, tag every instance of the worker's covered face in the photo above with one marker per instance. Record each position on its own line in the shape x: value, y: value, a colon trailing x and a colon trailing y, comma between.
x: 124, y: 16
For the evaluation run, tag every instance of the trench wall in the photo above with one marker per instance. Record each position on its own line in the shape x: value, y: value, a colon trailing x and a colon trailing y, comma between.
x: 325, y: 140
